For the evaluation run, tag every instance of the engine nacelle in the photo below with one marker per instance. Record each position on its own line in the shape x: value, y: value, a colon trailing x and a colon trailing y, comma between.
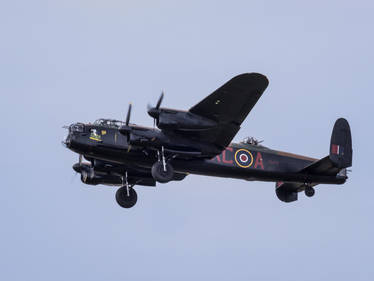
x: 112, y: 175
x: 91, y: 177
x: 95, y: 179
x: 180, y: 120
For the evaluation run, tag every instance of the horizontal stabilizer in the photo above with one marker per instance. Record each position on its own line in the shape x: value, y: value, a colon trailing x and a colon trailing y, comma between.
x: 323, y: 166
x: 340, y: 152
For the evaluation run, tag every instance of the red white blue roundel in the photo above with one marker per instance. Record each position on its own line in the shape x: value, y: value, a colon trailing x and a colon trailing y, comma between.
x: 243, y: 158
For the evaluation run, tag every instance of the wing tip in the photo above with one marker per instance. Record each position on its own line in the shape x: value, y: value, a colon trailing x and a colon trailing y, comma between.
x: 253, y: 77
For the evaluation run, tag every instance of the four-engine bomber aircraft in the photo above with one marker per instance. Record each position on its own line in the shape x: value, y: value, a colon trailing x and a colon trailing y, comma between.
x: 198, y: 141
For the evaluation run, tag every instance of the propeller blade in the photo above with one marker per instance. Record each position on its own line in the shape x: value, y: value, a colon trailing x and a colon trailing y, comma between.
x: 80, y: 159
x: 128, y: 115
x: 154, y: 112
x: 160, y: 100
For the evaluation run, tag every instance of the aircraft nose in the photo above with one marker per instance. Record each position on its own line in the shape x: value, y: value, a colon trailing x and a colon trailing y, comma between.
x: 73, y: 130
x: 67, y: 139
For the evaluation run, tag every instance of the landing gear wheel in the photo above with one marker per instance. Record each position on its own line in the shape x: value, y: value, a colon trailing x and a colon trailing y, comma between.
x: 160, y: 174
x: 126, y: 200
x: 309, y: 191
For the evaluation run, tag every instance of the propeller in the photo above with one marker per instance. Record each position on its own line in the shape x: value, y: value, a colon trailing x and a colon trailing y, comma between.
x: 126, y: 129
x: 77, y: 168
x: 83, y: 169
x: 160, y: 100
x: 155, y: 111
x: 128, y: 115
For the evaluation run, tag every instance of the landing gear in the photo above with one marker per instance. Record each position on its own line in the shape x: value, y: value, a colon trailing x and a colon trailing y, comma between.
x: 162, y: 171
x: 126, y: 196
x: 309, y: 191
x: 126, y: 199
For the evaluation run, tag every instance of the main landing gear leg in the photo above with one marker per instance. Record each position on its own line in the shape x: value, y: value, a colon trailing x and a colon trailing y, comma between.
x: 126, y: 196
x: 162, y: 171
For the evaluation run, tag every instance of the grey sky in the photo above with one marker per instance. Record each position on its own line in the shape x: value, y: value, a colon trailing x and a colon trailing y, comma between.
x: 67, y: 61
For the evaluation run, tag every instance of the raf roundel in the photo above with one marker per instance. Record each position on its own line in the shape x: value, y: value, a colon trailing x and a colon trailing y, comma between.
x: 243, y: 158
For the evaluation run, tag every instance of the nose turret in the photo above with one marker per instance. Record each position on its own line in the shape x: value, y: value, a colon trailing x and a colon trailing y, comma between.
x: 76, y: 127
x: 75, y: 138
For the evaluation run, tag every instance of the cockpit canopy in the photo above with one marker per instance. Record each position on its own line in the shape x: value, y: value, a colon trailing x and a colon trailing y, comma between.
x: 111, y: 123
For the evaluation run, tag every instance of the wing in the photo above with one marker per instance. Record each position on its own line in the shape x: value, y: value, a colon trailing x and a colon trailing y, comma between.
x: 232, y: 102
x: 229, y: 106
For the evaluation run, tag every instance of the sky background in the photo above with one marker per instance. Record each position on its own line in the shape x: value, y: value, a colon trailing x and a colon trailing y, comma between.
x: 68, y: 61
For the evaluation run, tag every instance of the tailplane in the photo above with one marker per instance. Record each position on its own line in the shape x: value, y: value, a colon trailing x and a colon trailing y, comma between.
x: 333, y: 165
x: 340, y: 156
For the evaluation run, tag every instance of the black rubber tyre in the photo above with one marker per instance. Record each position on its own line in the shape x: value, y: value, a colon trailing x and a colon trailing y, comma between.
x: 309, y: 191
x: 126, y: 201
x: 160, y: 175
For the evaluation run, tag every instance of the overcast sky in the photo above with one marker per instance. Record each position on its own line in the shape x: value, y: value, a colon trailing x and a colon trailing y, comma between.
x: 68, y: 61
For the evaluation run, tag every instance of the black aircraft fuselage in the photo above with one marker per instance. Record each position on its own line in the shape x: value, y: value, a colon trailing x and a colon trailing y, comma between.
x: 238, y: 160
x: 198, y: 142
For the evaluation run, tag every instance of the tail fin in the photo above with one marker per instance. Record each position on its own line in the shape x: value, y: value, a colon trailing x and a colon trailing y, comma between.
x: 340, y: 158
x: 341, y: 144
